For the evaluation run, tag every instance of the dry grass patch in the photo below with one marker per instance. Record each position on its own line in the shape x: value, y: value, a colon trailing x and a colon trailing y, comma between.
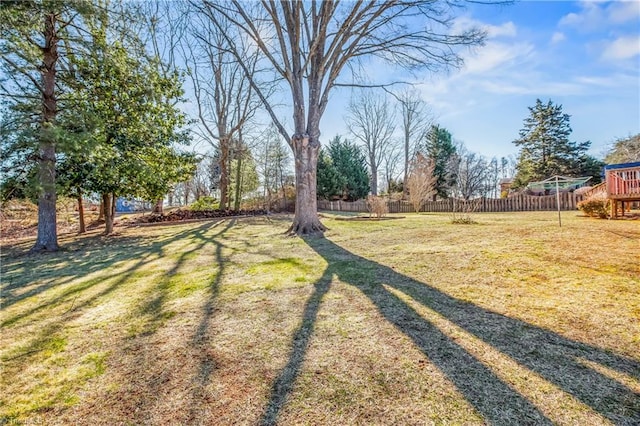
x: 414, y: 321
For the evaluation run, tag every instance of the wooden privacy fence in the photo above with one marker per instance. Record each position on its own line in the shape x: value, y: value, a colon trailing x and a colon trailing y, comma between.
x: 521, y: 203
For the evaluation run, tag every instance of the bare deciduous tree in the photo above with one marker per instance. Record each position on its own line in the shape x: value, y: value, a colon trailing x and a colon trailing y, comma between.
x: 372, y: 122
x: 225, y: 99
x: 391, y: 165
x: 309, y: 45
x: 416, y: 120
x: 273, y: 162
x: 421, y: 182
x: 471, y: 171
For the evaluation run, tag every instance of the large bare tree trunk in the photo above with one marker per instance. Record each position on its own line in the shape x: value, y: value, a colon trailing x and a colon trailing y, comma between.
x: 224, y: 172
x: 238, y: 188
x: 407, y: 136
x: 306, y: 220
x: 374, y: 180
x: 47, y: 239
x: 314, y: 42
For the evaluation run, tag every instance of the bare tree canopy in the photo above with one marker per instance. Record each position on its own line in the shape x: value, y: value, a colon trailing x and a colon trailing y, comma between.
x: 372, y: 122
x: 225, y: 100
x: 472, y: 172
x: 416, y: 119
x: 309, y: 45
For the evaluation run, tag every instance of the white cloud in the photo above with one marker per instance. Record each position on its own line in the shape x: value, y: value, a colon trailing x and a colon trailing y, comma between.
x: 495, y: 56
x: 618, y: 80
x: 595, y: 16
x: 622, y: 48
x: 624, y: 11
x: 506, y: 29
x: 558, y: 37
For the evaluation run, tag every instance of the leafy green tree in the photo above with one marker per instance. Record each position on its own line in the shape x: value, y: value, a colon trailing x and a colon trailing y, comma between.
x: 545, y: 148
x: 351, y: 165
x: 625, y: 150
x: 439, y: 148
x: 104, y: 111
x: 128, y: 104
x: 329, y: 182
x: 72, y: 177
x: 395, y: 186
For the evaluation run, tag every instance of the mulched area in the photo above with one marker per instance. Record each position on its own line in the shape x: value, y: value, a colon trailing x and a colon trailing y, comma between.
x: 368, y: 218
x: 13, y: 230
x: 181, y: 215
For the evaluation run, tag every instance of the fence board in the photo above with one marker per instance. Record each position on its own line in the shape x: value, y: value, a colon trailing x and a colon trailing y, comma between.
x: 568, y: 201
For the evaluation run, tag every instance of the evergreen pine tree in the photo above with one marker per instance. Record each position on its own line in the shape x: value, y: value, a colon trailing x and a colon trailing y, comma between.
x: 545, y: 148
x: 438, y: 147
x: 351, y: 165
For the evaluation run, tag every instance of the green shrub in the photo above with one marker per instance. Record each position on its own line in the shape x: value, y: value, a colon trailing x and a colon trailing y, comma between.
x: 205, y: 203
x: 596, y: 206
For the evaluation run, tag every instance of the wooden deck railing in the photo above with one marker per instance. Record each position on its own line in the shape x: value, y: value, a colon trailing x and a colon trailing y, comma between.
x: 623, y: 183
x: 600, y: 188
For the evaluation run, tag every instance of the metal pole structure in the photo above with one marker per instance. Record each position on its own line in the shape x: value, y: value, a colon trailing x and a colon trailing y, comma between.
x: 558, y: 202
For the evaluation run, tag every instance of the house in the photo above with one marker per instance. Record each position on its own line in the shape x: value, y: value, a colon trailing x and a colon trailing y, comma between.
x: 505, y: 186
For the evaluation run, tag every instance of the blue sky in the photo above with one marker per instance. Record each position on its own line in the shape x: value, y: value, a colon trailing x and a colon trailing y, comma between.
x: 584, y: 55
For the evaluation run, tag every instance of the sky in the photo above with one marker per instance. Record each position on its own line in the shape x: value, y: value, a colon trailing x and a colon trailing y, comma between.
x: 584, y: 55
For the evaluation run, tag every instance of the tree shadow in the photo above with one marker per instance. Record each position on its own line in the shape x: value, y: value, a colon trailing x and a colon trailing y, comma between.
x: 143, y: 253
x: 86, y: 255
x: 283, y: 384
x: 551, y: 356
x: 154, y: 306
x: 156, y: 380
x: 201, y: 337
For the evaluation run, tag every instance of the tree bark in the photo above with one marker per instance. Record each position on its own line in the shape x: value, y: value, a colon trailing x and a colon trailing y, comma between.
x: 407, y: 136
x: 82, y: 225
x: 47, y: 239
x: 224, y: 172
x: 108, y: 202
x: 238, y: 188
x: 306, y: 220
x: 101, y: 210
x: 374, y: 179
x: 157, y: 207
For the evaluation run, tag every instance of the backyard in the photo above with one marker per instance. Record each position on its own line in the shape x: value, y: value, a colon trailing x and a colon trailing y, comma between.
x: 512, y: 320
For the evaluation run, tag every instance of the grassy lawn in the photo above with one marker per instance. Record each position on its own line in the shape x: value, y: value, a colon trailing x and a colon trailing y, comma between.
x: 412, y: 321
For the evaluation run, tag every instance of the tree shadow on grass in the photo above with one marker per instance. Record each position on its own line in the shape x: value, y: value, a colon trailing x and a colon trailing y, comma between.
x: 72, y: 297
x: 153, y: 306
x: 86, y: 255
x: 553, y: 357
x: 146, y: 390
x: 283, y: 384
